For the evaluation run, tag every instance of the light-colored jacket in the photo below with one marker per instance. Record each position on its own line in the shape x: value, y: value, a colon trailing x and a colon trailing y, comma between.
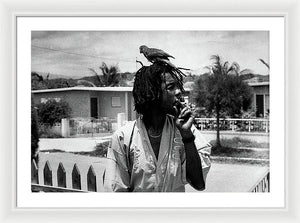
x: 133, y: 166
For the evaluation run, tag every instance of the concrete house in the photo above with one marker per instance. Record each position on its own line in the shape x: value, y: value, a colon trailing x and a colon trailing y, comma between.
x: 93, y: 102
x: 261, y: 98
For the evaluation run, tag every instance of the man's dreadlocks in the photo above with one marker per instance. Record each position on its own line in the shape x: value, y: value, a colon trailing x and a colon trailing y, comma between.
x: 147, y: 85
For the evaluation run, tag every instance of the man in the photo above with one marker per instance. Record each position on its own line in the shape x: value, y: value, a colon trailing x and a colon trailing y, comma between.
x: 161, y: 151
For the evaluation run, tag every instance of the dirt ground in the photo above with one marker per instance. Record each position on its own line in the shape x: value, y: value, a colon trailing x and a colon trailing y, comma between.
x: 231, y: 177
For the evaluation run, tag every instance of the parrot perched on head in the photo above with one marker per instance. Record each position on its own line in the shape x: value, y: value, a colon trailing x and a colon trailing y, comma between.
x: 154, y: 55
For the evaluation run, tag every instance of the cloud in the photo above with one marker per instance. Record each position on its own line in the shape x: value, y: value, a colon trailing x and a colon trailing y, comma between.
x: 192, y: 49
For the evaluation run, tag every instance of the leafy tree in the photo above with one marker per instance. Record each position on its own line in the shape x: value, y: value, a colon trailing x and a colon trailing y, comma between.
x: 34, y: 133
x: 53, y: 111
x: 110, y: 75
x: 37, y: 81
x: 222, y: 91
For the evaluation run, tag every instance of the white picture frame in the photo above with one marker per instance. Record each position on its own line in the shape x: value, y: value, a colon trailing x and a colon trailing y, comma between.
x: 9, y: 211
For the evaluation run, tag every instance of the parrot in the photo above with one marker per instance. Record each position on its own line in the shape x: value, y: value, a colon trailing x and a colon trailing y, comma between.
x: 154, y: 55
x: 157, y: 55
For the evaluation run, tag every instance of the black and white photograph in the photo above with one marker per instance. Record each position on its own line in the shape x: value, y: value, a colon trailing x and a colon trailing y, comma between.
x: 150, y: 111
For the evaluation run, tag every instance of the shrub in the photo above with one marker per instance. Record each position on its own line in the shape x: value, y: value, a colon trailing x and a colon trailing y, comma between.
x: 101, y: 149
x: 250, y: 113
x: 53, y: 111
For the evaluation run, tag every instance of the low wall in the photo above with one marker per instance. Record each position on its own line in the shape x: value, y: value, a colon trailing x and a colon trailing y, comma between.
x: 256, y: 137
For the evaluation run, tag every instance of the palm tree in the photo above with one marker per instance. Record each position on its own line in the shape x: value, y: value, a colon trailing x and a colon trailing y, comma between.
x: 225, y: 68
x: 110, y: 75
x: 220, y: 71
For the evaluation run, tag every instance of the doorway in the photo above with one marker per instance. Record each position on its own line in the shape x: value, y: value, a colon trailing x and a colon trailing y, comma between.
x: 94, y: 108
x: 260, y: 105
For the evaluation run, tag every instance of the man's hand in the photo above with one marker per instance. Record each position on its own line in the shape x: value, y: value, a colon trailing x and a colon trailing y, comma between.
x: 194, y: 172
x: 184, y: 122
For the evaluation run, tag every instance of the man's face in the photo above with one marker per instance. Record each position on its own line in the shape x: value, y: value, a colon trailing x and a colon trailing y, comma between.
x: 171, y: 94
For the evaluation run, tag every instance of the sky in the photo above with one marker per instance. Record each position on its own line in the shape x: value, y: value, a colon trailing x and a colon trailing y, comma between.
x: 72, y: 53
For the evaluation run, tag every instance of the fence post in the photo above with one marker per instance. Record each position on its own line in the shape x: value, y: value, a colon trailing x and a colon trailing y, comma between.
x: 232, y: 125
x: 91, y: 180
x: 65, y: 127
x: 120, y: 119
x: 61, y: 176
x: 47, y: 175
x: 34, y: 173
x: 76, y: 179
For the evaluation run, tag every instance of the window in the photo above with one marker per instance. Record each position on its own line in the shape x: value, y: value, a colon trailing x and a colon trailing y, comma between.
x: 115, y: 102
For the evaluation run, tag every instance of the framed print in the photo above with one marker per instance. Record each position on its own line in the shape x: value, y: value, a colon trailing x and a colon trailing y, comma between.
x: 200, y: 33
x: 55, y: 46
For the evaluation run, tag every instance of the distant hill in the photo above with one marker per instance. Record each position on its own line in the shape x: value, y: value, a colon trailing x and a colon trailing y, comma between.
x: 41, y: 81
x: 56, y: 76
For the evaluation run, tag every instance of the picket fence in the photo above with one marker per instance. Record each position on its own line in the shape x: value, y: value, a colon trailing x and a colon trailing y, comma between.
x: 84, y: 126
x: 233, y: 124
x: 262, y: 185
x: 76, y: 179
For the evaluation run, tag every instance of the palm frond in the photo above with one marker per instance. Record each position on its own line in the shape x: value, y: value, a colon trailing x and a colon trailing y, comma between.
x: 216, y: 58
x: 210, y: 69
x: 225, y: 68
x: 97, y: 75
x: 236, y: 66
x: 265, y: 63
x: 85, y: 82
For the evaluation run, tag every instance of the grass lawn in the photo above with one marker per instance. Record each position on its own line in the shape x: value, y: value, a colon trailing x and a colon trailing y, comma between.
x: 237, y: 142
x: 239, y: 153
x: 241, y: 148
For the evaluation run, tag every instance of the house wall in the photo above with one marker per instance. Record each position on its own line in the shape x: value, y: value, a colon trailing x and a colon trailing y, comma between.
x: 106, y: 108
x: 133, y: 112
x: 79, y: 101
x: 265, y: 91
x: 261, y: 89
